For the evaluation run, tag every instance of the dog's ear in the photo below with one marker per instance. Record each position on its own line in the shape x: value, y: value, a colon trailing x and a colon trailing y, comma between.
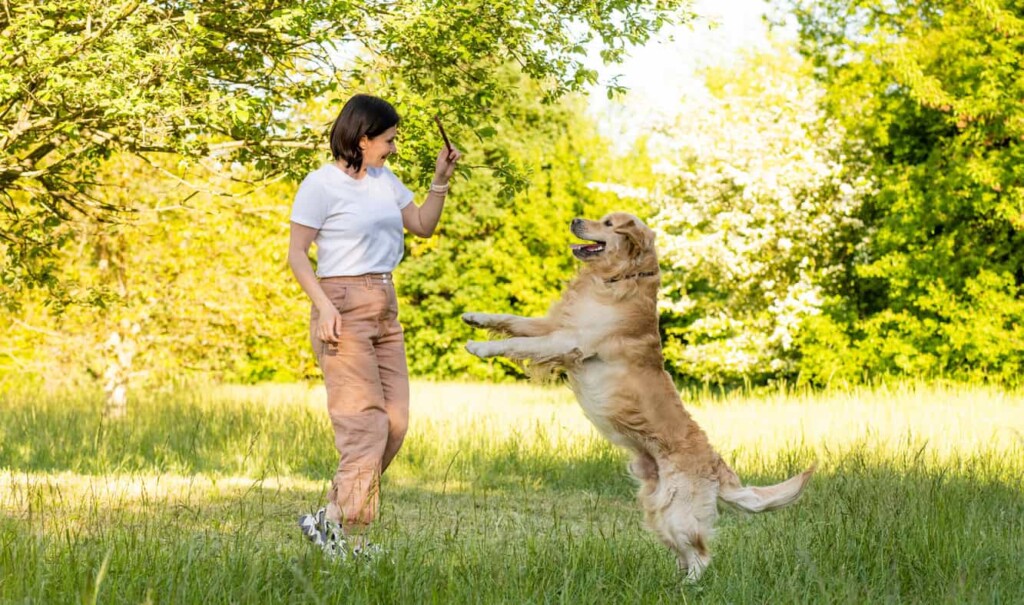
x: 637, y: 235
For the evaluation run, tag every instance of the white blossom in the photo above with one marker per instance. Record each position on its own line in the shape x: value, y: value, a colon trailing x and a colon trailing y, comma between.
x: 757, y: 188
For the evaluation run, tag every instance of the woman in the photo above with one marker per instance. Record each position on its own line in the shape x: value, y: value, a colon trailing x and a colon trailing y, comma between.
x: 355, y: 209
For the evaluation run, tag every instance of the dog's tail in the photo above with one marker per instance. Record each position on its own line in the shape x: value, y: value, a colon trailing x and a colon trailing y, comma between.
x: 758, y: 499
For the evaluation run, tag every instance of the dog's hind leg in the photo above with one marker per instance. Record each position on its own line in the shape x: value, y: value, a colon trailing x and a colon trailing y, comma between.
x: 644, y: 467
x: 695, y: 558
x: 513, y: 325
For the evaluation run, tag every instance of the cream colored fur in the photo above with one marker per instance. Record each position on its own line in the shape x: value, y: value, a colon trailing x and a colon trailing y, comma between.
x: 603, y: 333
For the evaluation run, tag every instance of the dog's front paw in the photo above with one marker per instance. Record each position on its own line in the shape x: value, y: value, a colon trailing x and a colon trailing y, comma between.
x: 480, y: 349
x: 474, y: 319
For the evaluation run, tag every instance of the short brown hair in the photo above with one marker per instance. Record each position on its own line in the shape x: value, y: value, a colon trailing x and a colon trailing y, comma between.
x: 362, y: 115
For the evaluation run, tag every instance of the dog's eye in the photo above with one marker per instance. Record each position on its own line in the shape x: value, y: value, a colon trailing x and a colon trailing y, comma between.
x: 608, y: 223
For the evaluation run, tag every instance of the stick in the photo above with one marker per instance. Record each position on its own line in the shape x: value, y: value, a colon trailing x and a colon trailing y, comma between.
x: 447, y: 144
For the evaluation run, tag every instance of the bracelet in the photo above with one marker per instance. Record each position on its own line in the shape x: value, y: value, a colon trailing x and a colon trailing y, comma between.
x: 440, y: 188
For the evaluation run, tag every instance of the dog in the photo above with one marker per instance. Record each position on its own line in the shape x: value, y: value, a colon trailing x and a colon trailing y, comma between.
x: 603, y: 334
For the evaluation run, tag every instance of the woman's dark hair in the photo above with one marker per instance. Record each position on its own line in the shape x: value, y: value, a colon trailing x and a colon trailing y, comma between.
x: 362, y: 115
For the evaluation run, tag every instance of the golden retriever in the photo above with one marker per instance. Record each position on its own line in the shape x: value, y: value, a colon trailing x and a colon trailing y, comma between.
x: 603, y: 333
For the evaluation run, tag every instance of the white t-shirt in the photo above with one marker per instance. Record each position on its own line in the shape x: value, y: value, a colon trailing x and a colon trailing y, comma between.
x: 359, y: 220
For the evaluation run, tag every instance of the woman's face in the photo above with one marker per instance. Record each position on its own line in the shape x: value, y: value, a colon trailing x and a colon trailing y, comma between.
x: 377, y: 149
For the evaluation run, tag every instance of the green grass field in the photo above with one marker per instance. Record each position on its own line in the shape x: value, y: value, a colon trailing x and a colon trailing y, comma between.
x: 504, y: 494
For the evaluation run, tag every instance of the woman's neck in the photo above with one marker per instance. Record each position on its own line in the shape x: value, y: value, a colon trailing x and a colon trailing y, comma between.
x: 352, y: 172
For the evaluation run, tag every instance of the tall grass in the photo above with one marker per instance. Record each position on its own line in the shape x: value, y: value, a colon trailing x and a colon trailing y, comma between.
x: 505, y: 494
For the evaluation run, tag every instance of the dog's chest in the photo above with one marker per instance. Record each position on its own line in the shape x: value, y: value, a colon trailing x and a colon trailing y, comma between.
x: 591, y: 321
x: 590, y: 382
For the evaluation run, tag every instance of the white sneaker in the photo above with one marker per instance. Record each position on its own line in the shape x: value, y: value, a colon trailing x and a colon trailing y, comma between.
x: 323, y: 532
x: 312, y: 526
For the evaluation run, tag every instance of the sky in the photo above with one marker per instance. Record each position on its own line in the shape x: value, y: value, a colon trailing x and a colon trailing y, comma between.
x: 660, y: 73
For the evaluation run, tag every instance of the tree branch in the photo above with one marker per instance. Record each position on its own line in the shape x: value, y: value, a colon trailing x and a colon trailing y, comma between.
x: 89, y: 40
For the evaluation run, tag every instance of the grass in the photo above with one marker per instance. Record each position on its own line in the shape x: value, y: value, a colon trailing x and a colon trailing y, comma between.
x: 504, y: 494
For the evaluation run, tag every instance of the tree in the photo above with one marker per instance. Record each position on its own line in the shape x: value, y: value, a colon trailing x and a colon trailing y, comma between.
x: 933, y: 89
x: 86, y: 79
x: 755, y: 219
x: 199, y: 288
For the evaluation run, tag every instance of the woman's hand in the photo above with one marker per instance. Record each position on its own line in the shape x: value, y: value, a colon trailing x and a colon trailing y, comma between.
x: 328, y: 327
x: 446, y: 165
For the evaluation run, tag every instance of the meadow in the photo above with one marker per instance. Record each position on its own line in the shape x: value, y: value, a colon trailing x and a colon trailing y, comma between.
x: 505, y: 494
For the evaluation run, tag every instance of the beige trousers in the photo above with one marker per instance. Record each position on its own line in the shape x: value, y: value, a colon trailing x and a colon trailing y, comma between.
x: 367, y: 382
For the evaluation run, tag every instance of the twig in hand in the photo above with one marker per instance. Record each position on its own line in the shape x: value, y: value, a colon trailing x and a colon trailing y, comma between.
x: 447, y: 143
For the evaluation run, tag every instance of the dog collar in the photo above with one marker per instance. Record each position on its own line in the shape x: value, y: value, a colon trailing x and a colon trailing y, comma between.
x: 645, y: 274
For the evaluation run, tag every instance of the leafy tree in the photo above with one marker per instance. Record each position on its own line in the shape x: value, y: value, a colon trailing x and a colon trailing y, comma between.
x: 193, y: 287
x: 934, y: 90
x: 86, y: 79
x: 755, y: 220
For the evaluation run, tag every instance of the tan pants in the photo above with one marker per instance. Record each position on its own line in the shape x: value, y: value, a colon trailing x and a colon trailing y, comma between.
x: 367, y: 384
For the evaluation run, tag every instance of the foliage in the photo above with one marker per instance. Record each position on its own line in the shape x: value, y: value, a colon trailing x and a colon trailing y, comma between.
x: 755, y: 219
x: 194, y: 287
x: 864, y: 225
x: 933, y: 90
x: 86, y: 79
x: 202, y: 286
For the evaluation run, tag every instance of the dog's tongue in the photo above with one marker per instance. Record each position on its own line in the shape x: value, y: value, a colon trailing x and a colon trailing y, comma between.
x: 587, y: 247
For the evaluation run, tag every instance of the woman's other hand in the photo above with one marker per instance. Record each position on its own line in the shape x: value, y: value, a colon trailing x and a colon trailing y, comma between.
x: 328, y: 328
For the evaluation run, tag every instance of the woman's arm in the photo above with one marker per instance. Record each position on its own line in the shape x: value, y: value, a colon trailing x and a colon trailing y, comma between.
x: 299, y: 241
x: 422, y: 220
